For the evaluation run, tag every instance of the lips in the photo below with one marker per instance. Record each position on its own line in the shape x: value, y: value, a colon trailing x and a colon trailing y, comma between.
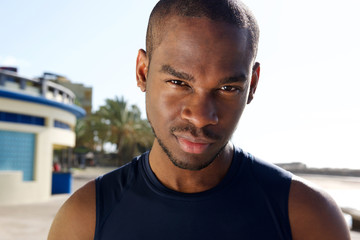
x: 193, y: 145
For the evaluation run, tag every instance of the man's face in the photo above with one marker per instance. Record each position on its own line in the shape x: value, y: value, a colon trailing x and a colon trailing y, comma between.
x: 197, y: 86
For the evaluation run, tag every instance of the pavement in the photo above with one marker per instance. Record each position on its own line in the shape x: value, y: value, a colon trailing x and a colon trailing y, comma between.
x: 32, y: 221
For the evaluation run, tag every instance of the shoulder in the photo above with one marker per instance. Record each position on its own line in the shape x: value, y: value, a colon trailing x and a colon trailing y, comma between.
x: 314, y: 214
x: 267, y: 174
x: 115, y: 182
x: 76, y: 218
x: 122, y: 174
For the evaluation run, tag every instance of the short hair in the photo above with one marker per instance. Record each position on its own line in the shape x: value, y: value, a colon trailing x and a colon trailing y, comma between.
x: 230, y: 11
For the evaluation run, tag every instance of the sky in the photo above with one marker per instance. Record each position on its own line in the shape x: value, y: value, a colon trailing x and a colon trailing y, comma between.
x: 306, y: 108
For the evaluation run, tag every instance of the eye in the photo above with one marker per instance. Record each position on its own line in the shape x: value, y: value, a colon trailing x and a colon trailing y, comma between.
x: 229, y: 88
x: 177, y: 82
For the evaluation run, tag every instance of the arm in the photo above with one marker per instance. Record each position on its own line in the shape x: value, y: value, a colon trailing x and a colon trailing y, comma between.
x: 76, y: 218
x: 314, y: 214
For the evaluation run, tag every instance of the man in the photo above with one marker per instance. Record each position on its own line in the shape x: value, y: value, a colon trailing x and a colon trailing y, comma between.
x: 198, y: 74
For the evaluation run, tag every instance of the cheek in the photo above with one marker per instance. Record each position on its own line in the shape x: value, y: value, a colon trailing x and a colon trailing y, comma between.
x: 230, y: 116
x: 230, y: 113
x: 161, y: 108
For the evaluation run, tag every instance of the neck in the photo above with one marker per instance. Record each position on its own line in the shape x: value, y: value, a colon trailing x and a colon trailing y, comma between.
x: 189, y: 181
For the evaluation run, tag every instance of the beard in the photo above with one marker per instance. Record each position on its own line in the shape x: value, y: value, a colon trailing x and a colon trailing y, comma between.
x: 180, y: 163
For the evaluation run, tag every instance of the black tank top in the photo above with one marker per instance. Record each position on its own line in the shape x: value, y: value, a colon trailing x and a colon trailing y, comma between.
x: 251, y: 202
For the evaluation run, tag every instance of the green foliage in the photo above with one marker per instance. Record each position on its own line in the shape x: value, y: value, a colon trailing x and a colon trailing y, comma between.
x: 77, y: 102
x: 117, y: 123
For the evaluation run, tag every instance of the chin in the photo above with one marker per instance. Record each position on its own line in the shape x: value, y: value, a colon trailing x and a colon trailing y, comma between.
x: 191, y: 163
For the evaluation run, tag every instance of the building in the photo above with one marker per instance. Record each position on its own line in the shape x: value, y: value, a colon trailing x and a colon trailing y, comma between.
x: 37, y: 118
x: 83, y: 94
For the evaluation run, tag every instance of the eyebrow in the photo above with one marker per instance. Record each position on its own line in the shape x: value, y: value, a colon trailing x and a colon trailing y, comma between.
x: 169, y: 70
x: 241, y: 78
x: 234, y: 79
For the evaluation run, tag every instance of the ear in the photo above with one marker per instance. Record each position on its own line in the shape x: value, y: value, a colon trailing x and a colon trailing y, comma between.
x: 254, y: 81
x: 141, y: 69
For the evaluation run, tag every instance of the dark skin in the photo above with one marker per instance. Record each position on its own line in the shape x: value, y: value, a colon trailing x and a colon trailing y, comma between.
x: 196, y: 81
x: 197, y: 86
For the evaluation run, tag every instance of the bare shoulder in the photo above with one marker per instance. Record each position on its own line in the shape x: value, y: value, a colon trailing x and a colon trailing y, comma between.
x: 314, y: 214
x: 77, y: 216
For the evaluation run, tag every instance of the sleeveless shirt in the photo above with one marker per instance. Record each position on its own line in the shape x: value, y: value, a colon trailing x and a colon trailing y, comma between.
x: 251, y: 202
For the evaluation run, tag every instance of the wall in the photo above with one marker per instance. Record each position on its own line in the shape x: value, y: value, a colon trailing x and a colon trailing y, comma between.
x: 13, y: 188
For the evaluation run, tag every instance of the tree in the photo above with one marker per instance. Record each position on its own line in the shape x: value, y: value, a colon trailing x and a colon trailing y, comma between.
x: 91, y: 133
x: 84, y: 135
x: 126, y: 129
x: 117, y: 123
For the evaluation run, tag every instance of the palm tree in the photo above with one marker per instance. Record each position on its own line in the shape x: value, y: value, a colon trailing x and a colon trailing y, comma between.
x: 84, y: 135
x: 92, y: 132
x: 127, y: 130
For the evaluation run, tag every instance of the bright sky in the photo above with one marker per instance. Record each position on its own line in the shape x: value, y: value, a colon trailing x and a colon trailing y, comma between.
x: 307, y: 106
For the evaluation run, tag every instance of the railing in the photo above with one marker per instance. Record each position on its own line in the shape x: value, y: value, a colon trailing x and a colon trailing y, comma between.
x: 37, y: 87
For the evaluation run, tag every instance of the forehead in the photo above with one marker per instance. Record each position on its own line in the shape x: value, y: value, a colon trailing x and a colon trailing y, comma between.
x: 202, y: 43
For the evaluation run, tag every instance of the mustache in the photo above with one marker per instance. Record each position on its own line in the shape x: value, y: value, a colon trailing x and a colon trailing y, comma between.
x: 196, y: 132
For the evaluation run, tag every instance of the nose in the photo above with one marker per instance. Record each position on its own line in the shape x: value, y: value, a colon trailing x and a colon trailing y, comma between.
x: 200, y: 110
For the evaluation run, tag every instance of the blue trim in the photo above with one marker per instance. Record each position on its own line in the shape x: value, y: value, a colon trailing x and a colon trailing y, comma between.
x: 59, y: 124
x: 21, y: 118
x: 76, y: 110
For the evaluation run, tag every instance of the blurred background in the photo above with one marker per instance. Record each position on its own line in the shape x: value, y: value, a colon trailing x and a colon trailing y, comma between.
x: 306, y: 107
x: 68, y: 80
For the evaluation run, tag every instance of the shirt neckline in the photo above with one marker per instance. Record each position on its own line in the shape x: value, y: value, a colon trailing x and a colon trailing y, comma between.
x: 156, y: 186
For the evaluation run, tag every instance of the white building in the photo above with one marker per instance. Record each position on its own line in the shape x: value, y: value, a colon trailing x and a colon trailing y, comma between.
x: 36, y: 117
